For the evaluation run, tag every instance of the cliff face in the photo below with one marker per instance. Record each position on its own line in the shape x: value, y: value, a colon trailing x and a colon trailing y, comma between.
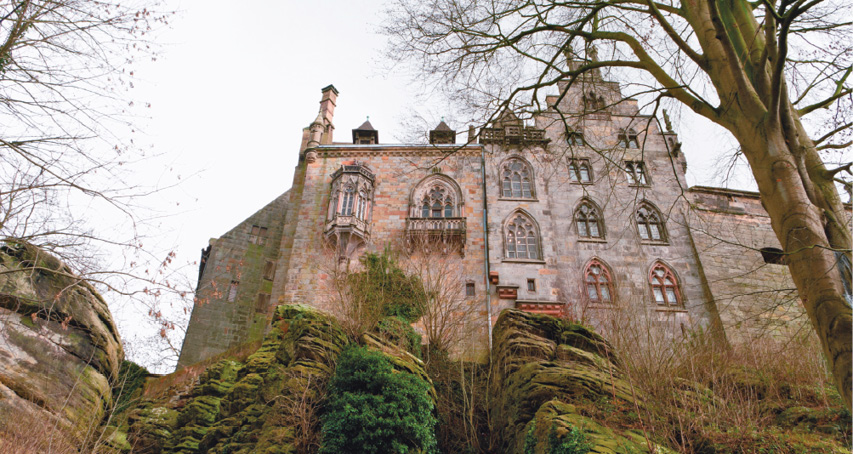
x: 268, y: 402
x: 59, y: 351
x: 541, y: 365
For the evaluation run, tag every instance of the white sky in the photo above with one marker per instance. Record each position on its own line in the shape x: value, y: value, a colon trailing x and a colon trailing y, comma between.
x: 234, y: 86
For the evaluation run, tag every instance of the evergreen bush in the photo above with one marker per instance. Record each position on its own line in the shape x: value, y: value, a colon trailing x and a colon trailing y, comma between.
x: 374, y: 408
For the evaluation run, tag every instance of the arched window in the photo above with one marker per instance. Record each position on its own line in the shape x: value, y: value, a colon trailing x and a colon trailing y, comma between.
x: 517, y: 180
x: 361, y: 212
x: 438, y: 201
x: 436, y: 196
x: 649, y: 224
x: 588, y: 221
x: 664, y: 286
x: 522, y: 238
x: 599, y: 285
x: 348, y: 200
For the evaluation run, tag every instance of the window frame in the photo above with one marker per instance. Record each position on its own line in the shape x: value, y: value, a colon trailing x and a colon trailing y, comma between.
x: 597, y: 220
x: 644, y: 225
x: 657, y: 281
x: 574, y: 168
x: 508, y: 180
x: 470, y: 290
x: 598, y: 283
x: 532, y: 238
x: 634, y: 168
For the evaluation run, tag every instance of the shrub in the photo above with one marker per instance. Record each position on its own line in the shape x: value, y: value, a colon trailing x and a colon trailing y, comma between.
x: 399, y: 332
x: 374, y: 408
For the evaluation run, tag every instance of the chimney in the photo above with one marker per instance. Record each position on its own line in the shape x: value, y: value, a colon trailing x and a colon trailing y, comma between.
x: 327, y: 111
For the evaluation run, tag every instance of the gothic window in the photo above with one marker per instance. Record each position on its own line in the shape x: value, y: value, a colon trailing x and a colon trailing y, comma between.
x: 650, y: 224
x: 580, y: 171
x: 517, y: 180
x: 438, y: 201
x: 599, y: 285
x: 664, y: 286
x: 522, y: 238
x: 348, y: 200
x: 361, y: 211
x: 588, y: 221
x: 636, y: 171
x: 576, y: 139
x: 628, y: 139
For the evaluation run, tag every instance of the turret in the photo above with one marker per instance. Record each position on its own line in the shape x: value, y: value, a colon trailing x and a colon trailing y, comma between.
x: 365, y: 134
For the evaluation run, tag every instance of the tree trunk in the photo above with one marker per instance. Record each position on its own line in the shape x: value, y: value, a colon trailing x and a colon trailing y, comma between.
x: 800, y: 226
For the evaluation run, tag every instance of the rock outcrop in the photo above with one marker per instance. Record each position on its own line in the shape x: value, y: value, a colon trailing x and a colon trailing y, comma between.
x: 59, y: 351
x: 266, y: 402
x: 540, y: 364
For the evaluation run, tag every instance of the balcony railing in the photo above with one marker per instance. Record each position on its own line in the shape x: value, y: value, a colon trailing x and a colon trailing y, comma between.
x: 436, y: 225
x: 513, y: 135
x: 449, y: 232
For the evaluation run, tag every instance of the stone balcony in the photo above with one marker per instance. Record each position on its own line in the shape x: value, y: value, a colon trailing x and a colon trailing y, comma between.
x: 513, y: 135
x: 347, y: 233
x: 444, y: 231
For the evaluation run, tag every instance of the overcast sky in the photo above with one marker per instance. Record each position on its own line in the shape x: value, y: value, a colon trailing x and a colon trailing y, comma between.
x: 234, y: 86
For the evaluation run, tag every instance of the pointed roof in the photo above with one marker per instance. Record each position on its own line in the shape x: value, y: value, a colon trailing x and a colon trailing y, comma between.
x: 366, y: 126
x: 442, y: 127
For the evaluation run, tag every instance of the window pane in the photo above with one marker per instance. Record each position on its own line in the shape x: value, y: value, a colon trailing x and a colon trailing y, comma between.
x: 644, y: 233
x: 516, y: 185
x: 658, y: 295
x: 655, y: 233
x: 593, y: 230
x: 533, y: 250
x: 584, y: 174
x: 425, y: 211
x: 525, y: 189
x: 448, y: 211
x: 522, y: 247
x: 507, y: 191
x: 582, y: 228
x: 605, y: 293
x: 670, y: 296
x: 592, y: 292
x: 573, y: 172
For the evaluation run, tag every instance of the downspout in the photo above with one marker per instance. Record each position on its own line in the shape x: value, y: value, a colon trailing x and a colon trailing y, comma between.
x: 486, y: 237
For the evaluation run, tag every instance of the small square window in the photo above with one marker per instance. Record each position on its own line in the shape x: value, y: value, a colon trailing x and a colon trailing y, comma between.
x: 258, y: 235
x: 469, y: 289
x: 531, y: 285
x: 232, y: 291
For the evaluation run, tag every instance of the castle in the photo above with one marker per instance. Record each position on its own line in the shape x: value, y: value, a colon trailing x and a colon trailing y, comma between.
x: 584, y: 207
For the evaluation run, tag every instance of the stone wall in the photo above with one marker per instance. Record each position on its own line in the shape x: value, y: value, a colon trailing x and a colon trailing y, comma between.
x: 753, y: 297
x: 218, y: 324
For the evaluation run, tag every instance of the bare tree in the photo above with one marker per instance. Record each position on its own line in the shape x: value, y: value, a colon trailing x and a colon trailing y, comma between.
x: 761, y: 70
x: 447, y: 310
x: 67, y: 161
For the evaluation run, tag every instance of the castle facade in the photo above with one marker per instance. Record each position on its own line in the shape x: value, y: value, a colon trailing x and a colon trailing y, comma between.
x: 582, y: 210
